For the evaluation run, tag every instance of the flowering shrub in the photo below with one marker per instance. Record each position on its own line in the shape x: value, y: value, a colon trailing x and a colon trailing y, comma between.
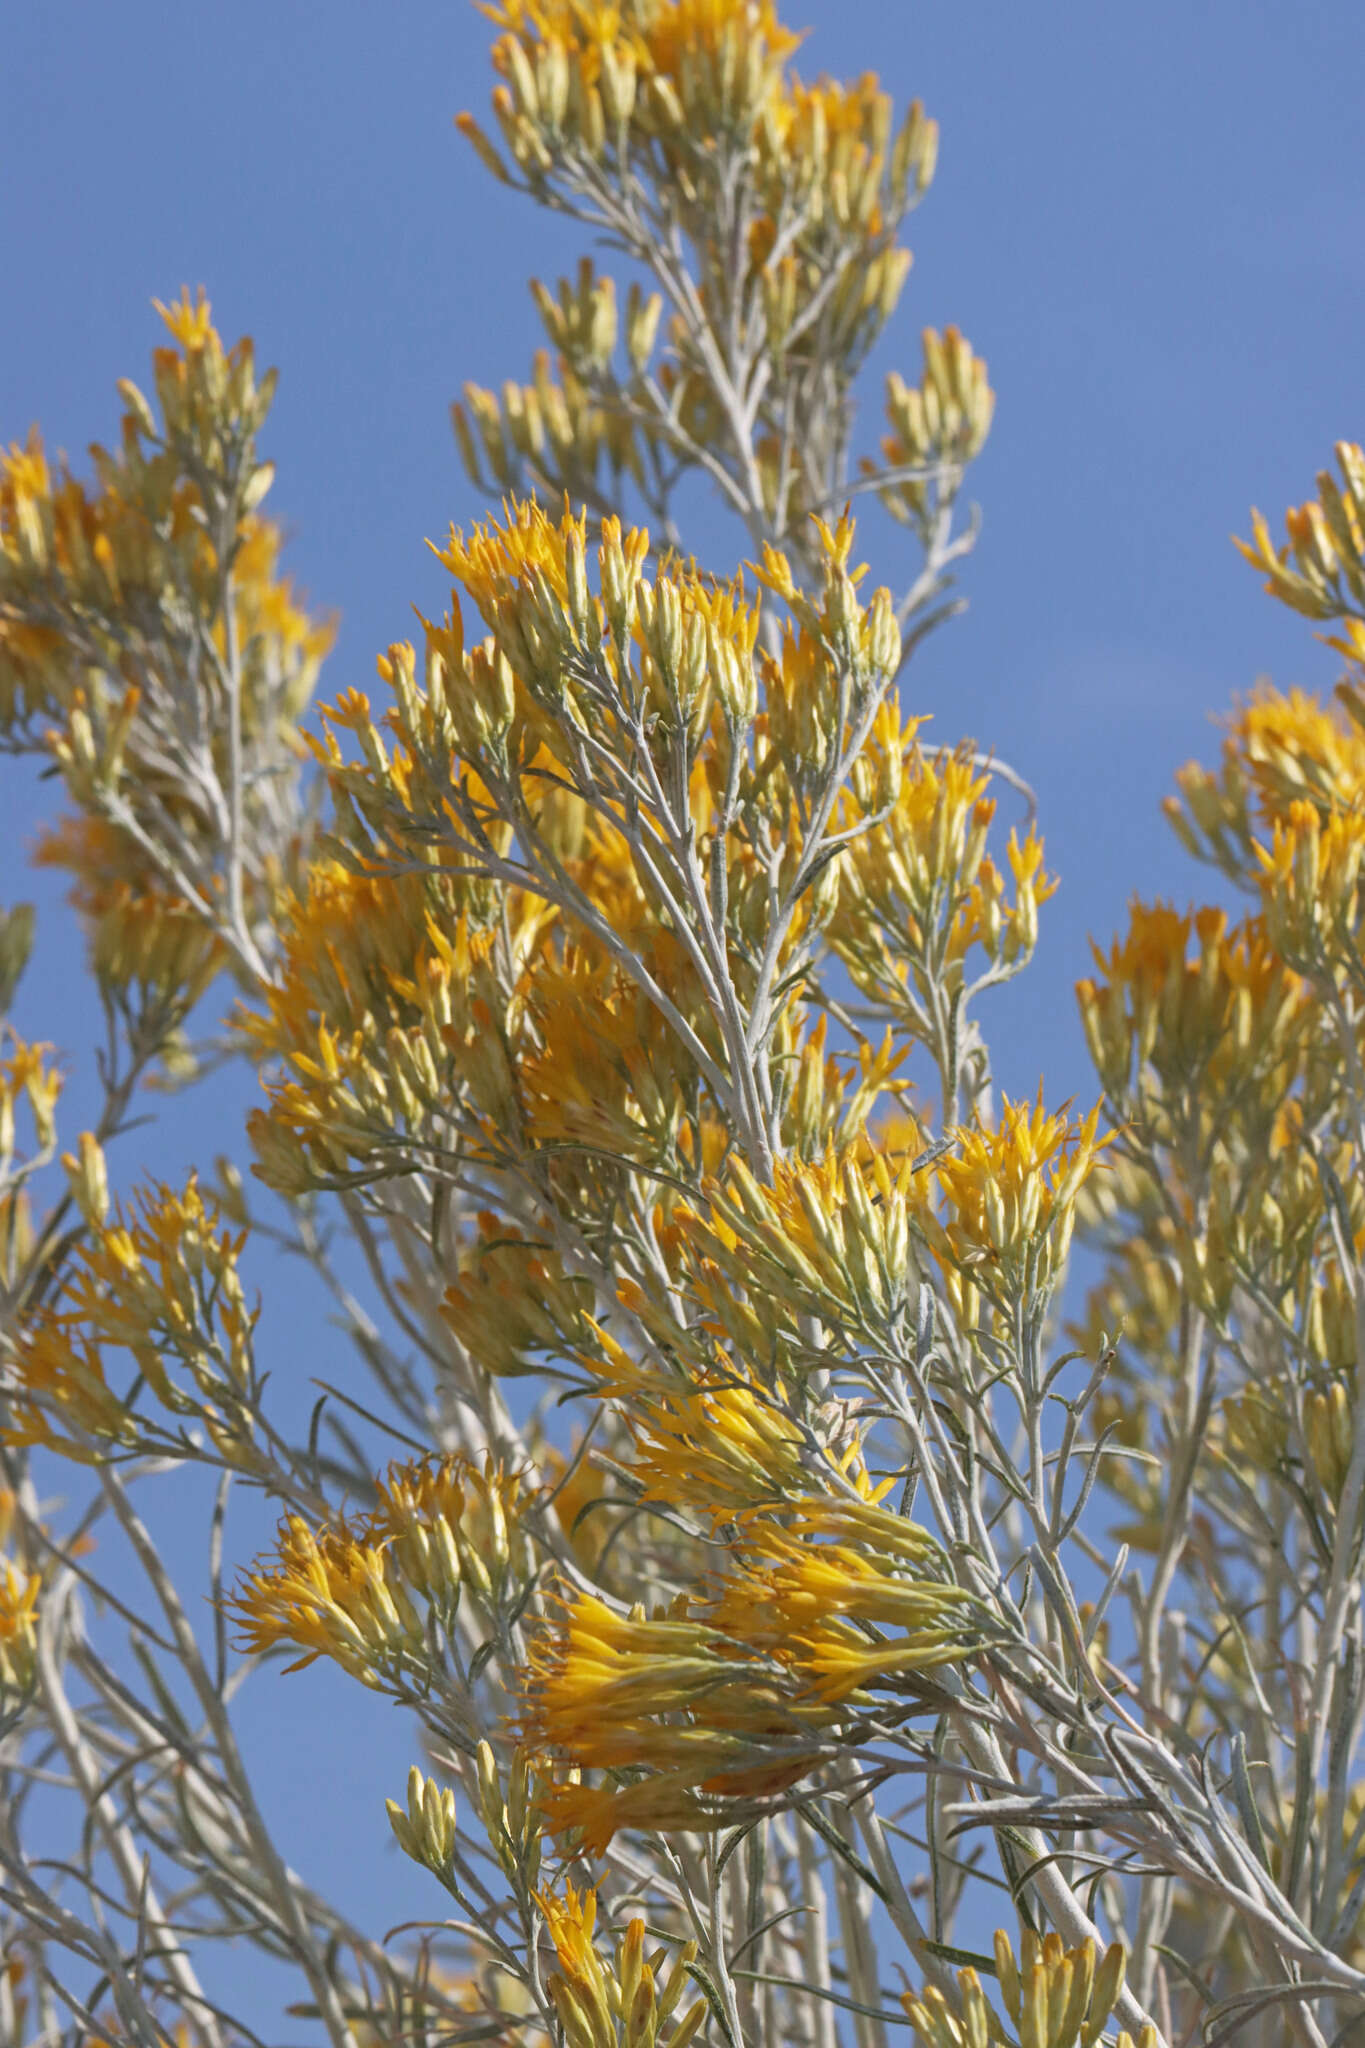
x: 831, y: 1649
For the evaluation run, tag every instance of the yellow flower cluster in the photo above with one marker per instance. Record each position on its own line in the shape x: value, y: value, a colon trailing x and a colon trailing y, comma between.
x: 422, y: 1005
x: 1010, y: 1202
x: 330, y: 1593
x: 1310, y: 886
x: 718, y: 1443
x: 582, y: 73
x: 625, y: 2003
x: 1055, y: 1997
x: 715, y: 1447
x: 384, y: 1007
x: 1321, y: 571
x: 554, y: 426
x: 1282, y: 819
x: 19, y: 1590
x: 29, y: 1076
x: 98, y: 553
x: 160, y: 1283
x: 131, y: 610
x: 919, y: 891
x: 736, y: 1692
x: 604, y: 82
x: 638, y: 110
x: 1234, y: 1218
x: 1183, y: 1042
x: 557, y: 430
x: 937, y: 426
x: 360, y: 1592
x: 830, y: 1238
x: 405, y: 1032
x: 146, y: 942
x: 426, y: 1831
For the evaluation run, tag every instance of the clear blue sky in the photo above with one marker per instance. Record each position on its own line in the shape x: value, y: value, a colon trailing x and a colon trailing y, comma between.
x: 1147, y: 218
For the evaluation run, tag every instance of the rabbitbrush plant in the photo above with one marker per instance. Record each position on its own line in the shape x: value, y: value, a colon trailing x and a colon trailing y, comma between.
x: 804, y: 1636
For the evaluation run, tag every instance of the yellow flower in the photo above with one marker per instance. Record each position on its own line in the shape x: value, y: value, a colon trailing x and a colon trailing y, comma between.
x: 601, y: 2005
x: 91, y: 573
x: 27, y: 1075
x: 830, y: 1237
x: 356, y: 1590
x: 713, y: 1447
x: 580, y: 1989
x: 426, y: 1831
x: 943, y: 420
x: 386, y: 1006
x: 736, y: 1692
x: 918, y: 889
x: 842, y: 1620
x: 1283, y: 749
x: 1214, y: 1019
x: 1309, y: 879
x: 1011, y: 1197
x: 19, y: 1589
x: 1321, y: 572
x: 190, y: 321
x: 597, y: 1683
x: 453, y: 1524
x: 332, y: 1594
x: 1055, y: 1997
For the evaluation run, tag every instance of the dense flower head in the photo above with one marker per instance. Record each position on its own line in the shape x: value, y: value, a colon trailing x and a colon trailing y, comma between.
x: 158, y: 1281
x: 360, y: 1590
x: 920, y: 894
x: 1053, y: 1996
x: 585, y: 69
x: 1293, y: 773
x: 1200, y: 1034
x: 426, y: 1831
x: 737, y: 1689
x: 835, y: 1230
x: 715, y: 1448
x: 626, y: 2000
x: 580, y: 1024
x: 1011, y: 1195
x: 937, y: 427
x: 1321, y: 569
x: 607, y: 82
x: 712, y: 1712
x: 330, y: 1593
x: 134, y: 609
x: 647, y: 106
x: 380, y: 984
x: 118, y: 543
x: 719, y: 1442
x: 553, y: 429
x: 1309, y: 877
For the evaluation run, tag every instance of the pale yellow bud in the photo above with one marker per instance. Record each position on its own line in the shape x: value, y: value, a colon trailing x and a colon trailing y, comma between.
x: 618, y: 83
x: 426, y: 1832
x: 89, y: 1179
x: 642, y: 326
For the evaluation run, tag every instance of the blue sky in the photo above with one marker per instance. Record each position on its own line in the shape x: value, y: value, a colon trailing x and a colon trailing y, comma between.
x: 1147, y: 219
